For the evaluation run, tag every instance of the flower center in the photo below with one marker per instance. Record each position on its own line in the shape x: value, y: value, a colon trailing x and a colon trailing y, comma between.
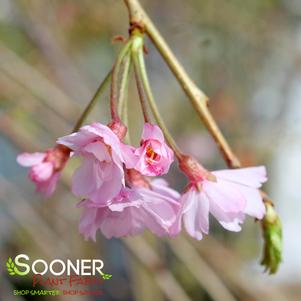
x: 151, y: 155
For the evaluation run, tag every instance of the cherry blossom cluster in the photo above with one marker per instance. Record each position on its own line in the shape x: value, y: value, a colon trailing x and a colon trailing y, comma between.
x: 120, y: 186
x: 122, y: 194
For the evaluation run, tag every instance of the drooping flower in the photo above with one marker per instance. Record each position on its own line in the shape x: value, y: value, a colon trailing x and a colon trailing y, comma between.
x: 153, y: 157
x: 132, y: 211
x: 227, y: 194
x: 100, y: 176
x: 45, y: 167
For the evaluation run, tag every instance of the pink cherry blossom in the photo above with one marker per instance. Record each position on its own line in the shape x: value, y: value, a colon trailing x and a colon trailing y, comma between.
x: 227, y: 194
x: 153, y: 157
x: 131, y: 212
x: 100, y: 176
x: 45, y: 167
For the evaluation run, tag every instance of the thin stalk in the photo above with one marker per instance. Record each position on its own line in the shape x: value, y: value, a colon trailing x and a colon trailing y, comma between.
x: 139, y: 57
x: 123, y: 97
x: 92, y: 102
x: 140, y: 91
x: 114, y: 84
x: 125, y: 119
x: 123, y: 91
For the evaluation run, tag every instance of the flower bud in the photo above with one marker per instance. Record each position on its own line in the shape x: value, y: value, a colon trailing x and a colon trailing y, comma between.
x: 272, y: 233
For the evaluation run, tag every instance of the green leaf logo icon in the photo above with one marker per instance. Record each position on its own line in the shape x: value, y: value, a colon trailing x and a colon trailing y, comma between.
x: 105, y: 276
x: 10, y: 267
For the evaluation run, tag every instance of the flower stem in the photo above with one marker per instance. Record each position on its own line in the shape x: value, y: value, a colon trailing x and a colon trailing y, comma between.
x: 123, y: 96
x: 123, y: 91
x: 114, y: 84
x: 92, y: 102
x: 142, y: 73
x: 140, y: 90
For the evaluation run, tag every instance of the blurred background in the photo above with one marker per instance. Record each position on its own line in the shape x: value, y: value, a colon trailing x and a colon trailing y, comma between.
x: 246, y: 56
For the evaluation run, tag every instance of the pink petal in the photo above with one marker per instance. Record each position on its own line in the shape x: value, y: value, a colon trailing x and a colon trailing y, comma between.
x: 229, y: 220
x: 122, y: 206
x: 41, y: 172
x: 47, y: 188
x: 105, y: 132
x: 113, y: 182
x: 251, y: 176
x: 30, y: 159
x: 99, y: 150
x: 255, y: 206
x: 233, y: 226
x: 88, y: 134
x: 160, y: 183
x: 90, y: 221
x: 152, y: 221
x: 161, y: 186
x: 109, y: 138
x: 195, y: 213
x: 120, y: 224
x: 226, y: 195
x: 129, y: 157
x: 78, y: 140
x: 158, y: 207
x: 161, y: 209
x: 85, y: 179
x: 126, y: 198
x: 151, y: 131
